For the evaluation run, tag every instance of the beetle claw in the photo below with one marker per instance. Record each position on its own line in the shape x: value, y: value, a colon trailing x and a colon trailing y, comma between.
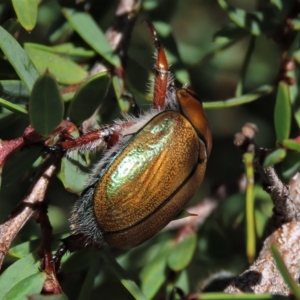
x: 54, y: 149
x: 69, y: 244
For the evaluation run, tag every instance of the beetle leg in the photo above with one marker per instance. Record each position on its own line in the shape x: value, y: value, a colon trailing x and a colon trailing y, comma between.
x: 71, y: 243
x: 162, y: 72
x: 108, y: 135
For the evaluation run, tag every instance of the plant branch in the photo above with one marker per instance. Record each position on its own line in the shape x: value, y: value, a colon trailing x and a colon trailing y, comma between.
x: 263, y: 276
x: 27, y: 207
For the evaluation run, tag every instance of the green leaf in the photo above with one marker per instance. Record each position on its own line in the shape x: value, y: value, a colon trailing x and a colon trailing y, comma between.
x: 182, y: 253
x: 24, y: 249
x: 129, y: 284
x: 292, y: 144
x: 33, y: 284
x: 252, y: 22
x: 88, y: 284
x: 283, y: 8
x: 295, y: 24
x: 89, y: 97
x: 26, y: 11
x: 282, y: 112
x: 285, y: 272
x: 65, y: 70
x: 12, y: 26
x: 11, y: 92
x: 46, y: 105
x: 66, y: 49
x: 154, y: 273
x: 61, y: 34
x: 277, y: 3
x: 182, y: 76
x: 275, y: 157
x: 241, y: 83
x: 20, y: 270
x: 291, y: 165
x: 13, y: 89
x: 74, y: 172
x: 260, y: 222
x: 150, y: 4
x: 12, y: 107
x: 228, y: 33
x: 294, y: 92
x: 118, y: 89
x: 247, y: 98
x: 297, y: 56
x: 18, y: 59
x: 18, y: 164
x: 87, y: 28
x: 78, y: 53
x: 183, y: 281
x: 68, y: 96
x: 292, y: 48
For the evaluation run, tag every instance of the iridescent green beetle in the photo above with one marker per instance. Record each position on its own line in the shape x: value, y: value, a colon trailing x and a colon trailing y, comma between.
x: 153, y: 165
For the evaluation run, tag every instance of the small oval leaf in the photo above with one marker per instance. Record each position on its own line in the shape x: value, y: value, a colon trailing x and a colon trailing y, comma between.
x: 118, y: 89
x: 154, y: 273
x: 90, y: 32
x: 182, y: 253
x: 274, y: 158
x: 65, y: 70
x: 66, y: 49
x: 282, y: 112
x: 18, y: 271
x: 252, y: 22
x: 61, y: 34
x: 89, y: 97
x: 13, y: 90
x: 26, y: 11
x: 247, y: 98
x: 18, y: 59
x: 291, y: 165
x: 291, y: 144
x: 277, y: 3
x: 11, y: 93
x: 33, y: 284
x: 24, y: 249
x: 18, y: 164
x: 46, y: 105
x: 74, y: 172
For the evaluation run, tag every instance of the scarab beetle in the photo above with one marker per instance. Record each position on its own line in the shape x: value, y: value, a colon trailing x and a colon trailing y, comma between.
x: 153, y: 165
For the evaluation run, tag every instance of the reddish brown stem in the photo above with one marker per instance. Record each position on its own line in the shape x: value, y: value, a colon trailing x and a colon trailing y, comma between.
x: 26, y: 208
x: 51, y: 284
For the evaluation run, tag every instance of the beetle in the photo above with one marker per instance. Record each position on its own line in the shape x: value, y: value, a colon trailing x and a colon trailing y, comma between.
x: 152, y: 166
